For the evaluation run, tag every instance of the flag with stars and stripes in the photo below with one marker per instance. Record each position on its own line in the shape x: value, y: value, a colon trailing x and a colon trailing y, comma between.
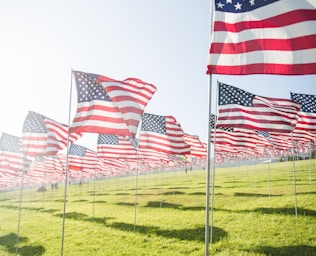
x: 113, y: 146
x: 80, y: 158
x: 44, y: 136
x: 162, y: 133
x: 242, y: 109
x: 196, y: 146
x: 109, y: 106
x: 307, y: 115
x: 11, y: 154
x: 263, y: 37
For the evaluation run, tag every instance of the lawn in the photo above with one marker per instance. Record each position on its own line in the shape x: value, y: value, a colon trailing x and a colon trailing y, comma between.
x: 265, y: 209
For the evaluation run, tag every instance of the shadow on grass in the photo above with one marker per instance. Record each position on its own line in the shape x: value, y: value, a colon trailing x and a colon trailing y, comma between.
x: 156, y: 204
x: 84, y: 217
x: 303, y: 250
x: 81, y: 200
x: 176, y: 192
x: 255, y: 195
x: 286, y: 211
x: 9, y: 242
x: 99, y: 202
x: 125, y: 204
x: 194, y: 234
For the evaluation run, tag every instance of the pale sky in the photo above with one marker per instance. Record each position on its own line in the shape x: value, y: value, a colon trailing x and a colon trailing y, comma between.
x: 163, y: 42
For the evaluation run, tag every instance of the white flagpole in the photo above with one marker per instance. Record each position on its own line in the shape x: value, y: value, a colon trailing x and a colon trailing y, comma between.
x: 208, y: 175
x: 208, y: 172
x: 67, y: 170
x: 136, y: 181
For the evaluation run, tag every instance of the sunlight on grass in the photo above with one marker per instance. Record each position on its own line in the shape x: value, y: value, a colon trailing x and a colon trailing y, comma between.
x: 254, y: 214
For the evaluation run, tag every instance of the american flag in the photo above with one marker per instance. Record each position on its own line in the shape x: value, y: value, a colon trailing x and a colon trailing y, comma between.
x: 11, y: 155
x: 80, y: 157
x: 43, y: 136
x: 196, y: 146
x: 113, y: 146
x: 109, y: 106
x: 162, y: 133
x: 236, y: 137
x: 239, y: 108
x: 263, y: 37
x: 307, y: 115
x: 57, y: 136
x: 34, y: 135
x: 131, y: 97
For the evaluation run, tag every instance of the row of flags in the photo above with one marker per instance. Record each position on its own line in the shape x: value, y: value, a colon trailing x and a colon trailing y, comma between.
x: 241, y: 127
x: 247, y: 37
x: 113, y: 109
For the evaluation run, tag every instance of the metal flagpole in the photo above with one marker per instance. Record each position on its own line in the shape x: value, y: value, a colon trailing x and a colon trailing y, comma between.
x: 66, y: 173
x: 136, y: 182
x: 208, y: 174
x: 213, y: 173
x: 294, y: 177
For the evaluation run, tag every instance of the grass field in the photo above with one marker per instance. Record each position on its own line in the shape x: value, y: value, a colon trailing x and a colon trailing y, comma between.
x: 254, y: 214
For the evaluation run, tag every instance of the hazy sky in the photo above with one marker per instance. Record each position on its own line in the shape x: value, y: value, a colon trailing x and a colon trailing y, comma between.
x: 163, y: 42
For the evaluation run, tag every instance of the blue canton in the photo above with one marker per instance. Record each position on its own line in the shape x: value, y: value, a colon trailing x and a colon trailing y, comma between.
x: 108, y: 139
x: 232, y: 95
x: 9, y: 143
x: 34, y: 123
x: 308, y: 102
x: 154, y: 123
x: 88, y: 89
x: 77, y: 150
x: 240, y: 6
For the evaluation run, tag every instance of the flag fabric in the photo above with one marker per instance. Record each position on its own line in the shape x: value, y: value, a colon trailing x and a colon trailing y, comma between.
x: 263, y: 37
x: 43, y: 136
x: 34, y: 135
x: 162, y: 133
x: 80, y: 157
x: 196, y: 146
x: 307, y: 115
x: 131, y: 97
x: 242, y: 109
x: 113, y: 146
x: 57, y: 136
x: 109, y: 106
x: 11, y: 155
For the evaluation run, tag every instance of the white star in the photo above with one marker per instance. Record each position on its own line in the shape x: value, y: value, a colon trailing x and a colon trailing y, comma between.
x: 220, y: 5
x: 229, y: 1
x: 238, y: 6
x: 252, y: 2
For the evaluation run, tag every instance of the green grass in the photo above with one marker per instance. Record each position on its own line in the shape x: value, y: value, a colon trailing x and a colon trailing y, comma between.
x: 254, y: 214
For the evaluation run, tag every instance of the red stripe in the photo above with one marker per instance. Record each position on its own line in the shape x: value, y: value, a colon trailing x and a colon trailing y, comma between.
x: 264, y: 68
x: 281, y: 20
x: 299, y: 43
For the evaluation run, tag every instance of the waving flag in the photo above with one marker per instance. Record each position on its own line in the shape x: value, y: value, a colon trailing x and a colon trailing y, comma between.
x: 11, y: 155
x: 263, y: 37
x: 43, y: 136
x: 113, y: 146
x: 109, y: 106
x: 80, y: 158
x: 196, y: 146
x: 162, y: 133
x: 239, y: 108
x: 307, y: 115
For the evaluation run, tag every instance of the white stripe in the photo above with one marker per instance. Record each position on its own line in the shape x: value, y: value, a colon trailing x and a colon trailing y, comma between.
x: 291, y: 31
x: 278, y: 57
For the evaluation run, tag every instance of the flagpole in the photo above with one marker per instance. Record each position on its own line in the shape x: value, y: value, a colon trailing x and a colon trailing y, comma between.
x: 208, y: 174
x: 67, y: 170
